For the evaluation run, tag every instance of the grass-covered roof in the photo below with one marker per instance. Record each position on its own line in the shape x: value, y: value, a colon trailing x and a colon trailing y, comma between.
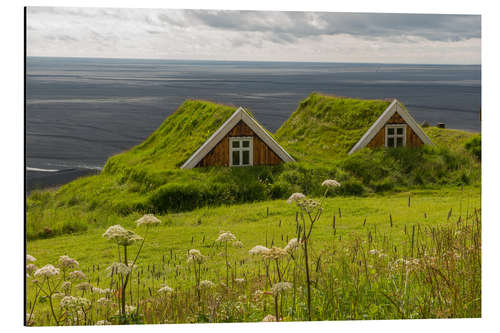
x: 326, y: 127
x: 180, y: 135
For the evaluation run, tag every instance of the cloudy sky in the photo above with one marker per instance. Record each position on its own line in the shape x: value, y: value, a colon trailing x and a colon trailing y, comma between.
x: 253, y: 35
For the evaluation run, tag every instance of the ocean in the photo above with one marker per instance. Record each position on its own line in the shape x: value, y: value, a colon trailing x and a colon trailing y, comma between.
x: 81, y: 111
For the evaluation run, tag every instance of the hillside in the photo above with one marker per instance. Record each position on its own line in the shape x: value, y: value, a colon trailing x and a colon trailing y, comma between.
x: 318, y: 134
x: 324, y: 128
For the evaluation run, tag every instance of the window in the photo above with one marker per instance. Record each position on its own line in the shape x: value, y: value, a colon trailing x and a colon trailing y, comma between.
x: 395, y: 135
x: 240, y: 151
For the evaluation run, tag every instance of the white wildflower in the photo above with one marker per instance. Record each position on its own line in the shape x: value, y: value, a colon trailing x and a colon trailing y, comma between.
x: 239, y: 280
x: 67, y: 262
x: 296, y: 197
x: 330, y: 183
x: 292, y: 245
x: 84, y: 286
x: 77, y: 275
x: 195, y: 255
x: 30, y: 258
x: 73, y: 304
x: 206, y: 284
x: 66, y: 286
x: 121, y: 236
x: 118, y: 268
x: 281, y: 287
x: 97, y: 290
x: 46, y: 271
x: 30, y: 268
x: 103, y: 322
x: 226, y: 236
x: 238, y: 244
x: 275, y: 253
x: 309, y: 204
x: 165, y: 290
x: 269, y: 318
x: 148, y: 220
x: 103, y: 301
x: 258, y: 249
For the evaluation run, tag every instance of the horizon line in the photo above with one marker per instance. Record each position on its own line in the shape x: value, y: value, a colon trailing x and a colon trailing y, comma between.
x: 276, y: 61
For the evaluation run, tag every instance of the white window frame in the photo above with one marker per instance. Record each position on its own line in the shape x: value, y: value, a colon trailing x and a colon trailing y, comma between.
x: 240, y: 149
x: 395, y: 135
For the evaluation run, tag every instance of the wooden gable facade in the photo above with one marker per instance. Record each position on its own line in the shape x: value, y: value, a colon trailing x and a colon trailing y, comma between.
x: 411, y: 139
x: 240, y: 141
x: 219, y: 155
x: 394, y: 128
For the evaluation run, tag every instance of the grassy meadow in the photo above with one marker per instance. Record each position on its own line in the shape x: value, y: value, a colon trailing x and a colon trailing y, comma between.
x: 403, y: 255
x: 400, y: 237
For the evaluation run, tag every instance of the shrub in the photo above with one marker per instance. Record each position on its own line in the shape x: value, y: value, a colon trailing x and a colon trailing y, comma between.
x: 474, y: 147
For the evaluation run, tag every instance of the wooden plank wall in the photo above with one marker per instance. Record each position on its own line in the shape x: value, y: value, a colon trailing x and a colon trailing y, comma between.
x: 219, y: 155
x: 412, y: 139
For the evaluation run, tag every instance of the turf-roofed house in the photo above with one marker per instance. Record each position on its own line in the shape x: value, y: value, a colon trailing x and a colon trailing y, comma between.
x: 325, y: 128
x: 240, y: 141
x: 394, y: 128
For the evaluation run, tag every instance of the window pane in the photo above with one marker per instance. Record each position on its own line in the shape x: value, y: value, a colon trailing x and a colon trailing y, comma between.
x: 400, y: 142
x: 390, y: 131
x: 236, y: 157
x: 246, y: 157
x: 236, y: 144
x: 390, y: 142
x: 246, y: 144
x: 400, y: 130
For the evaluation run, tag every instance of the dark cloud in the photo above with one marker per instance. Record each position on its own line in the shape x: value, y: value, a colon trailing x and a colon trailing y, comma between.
x: 286, y: 27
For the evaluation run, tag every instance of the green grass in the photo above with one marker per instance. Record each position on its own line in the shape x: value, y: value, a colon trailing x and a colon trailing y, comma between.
x: 358, y: 291
x: 319, y: 134
x: 324, y: 128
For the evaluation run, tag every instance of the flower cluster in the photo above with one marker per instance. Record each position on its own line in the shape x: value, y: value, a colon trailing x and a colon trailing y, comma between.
x: 165, y: 290
x: 67, y: 262
x: 309, y: 204
x: 296, y: 197
x: 206, y: 284
x: 66, y: 286
x: 226, y: 236
x: 73, y: 304
x: 409, y: 265
x: 281, y: 287
x: 269, y: 318
x: 30, y: 258
x: 195, y: 256
x: 330, y: 183
x: 121, y: 236
x: 102, y: 322
x: 77, y: 275
x: 30, y: 268
x: 148, y: 220
x: 378, y: 253
x: 97, y: 290
x: 103, y: 301
x: 292, y: 245
x: 84, y: 286
x: 238, y: 244
x: 118, y: 268
x: 275, y: 253
x: 46, y: 271
x: 258, y: 250
x: 239, y: 280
